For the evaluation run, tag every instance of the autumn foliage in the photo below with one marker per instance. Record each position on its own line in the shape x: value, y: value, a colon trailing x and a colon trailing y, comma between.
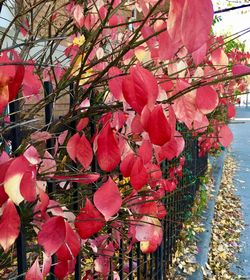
x: 132, y: 80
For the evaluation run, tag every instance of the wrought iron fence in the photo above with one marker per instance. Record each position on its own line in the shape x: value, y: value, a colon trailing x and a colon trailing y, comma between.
x: 133, y: 264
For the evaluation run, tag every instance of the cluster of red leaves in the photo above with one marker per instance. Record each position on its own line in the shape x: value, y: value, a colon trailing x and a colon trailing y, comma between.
x: 132, y: 141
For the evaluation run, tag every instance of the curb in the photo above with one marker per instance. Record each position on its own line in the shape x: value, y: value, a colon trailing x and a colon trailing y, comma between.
x: 204, y: 238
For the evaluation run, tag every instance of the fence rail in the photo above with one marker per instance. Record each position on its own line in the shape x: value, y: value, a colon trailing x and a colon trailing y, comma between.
x: 133, y: 264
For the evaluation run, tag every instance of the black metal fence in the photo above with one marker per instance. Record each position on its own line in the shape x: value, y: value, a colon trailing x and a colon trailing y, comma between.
x: 178, y: 205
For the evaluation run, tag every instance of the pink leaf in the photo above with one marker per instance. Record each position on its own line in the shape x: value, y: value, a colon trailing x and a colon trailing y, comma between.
x: 108, y: 153
x: 107, y: 199
x: 149, y: 233
x: 174, y: 19
x: 48, y: 166
x: 34, y: 273
x: 78, y: 15
x: 140, y: 88
x: 32, y: 155
x: 206, y: 99
x: 89, y: 221
x: 102, y: 265
x: 9, y: 225
x: 225, y: 136
x: 240, y: 69
x: 47, y: 261
x: 184, y: 106
x: 52, y: 235
x: 196, y: 22
x: 199, y: 54
x: 62, y: 137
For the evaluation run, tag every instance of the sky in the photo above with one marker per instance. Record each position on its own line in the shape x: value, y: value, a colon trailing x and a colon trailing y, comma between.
x: 233, y: 21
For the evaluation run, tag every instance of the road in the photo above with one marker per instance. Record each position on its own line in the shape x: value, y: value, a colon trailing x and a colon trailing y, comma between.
x: 241, y: 153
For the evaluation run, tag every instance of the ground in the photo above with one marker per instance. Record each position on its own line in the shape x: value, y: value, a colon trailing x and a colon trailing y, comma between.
x: 241, y: 153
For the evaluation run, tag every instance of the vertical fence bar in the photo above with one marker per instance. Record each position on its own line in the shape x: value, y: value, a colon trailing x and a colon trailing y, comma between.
x: 151, y: 266
x: 48, y: 89
x: 130, y: 265
x: 48, y: 119
x: 145, y: 265
x: 75, y: 187
x: 120, y: 260
x: 20, y: 242
x: 138, y: 260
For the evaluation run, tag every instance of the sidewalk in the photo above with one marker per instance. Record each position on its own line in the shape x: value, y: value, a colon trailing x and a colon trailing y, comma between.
x: 240, y: 151
x: 241, y: 154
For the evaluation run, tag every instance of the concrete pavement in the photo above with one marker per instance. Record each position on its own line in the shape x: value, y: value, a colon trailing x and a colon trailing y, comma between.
x: 241, y: 153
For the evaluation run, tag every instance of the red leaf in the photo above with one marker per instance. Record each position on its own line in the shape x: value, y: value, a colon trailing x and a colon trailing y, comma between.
x: 9, y: 225
x: 156, y: 124
x: 127, y: 165
x: 206, y: 99
x: 4, y: 165
x: 28, y: 184
x: 4, y: 96
x: 52, y: 235
x: 71, y: 247
x: 64, y: 268
x: 89, y: 221
x: 108, y: 153
x: 197, y: 18
x: 140, y: 88
x: 31, y: 82
x: 225, y: 136
x: 146, y: 151
x: 84, y: 152
x: 72, y: 146
x: 34, y: 273
x: 107, y: 199
x: 138, y: 176
x: 231, y: 111
x: 115, y: 83
x: 14, y: 73
x: 86, y: 179
x: 82, y: 124
x: 13, y: 178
